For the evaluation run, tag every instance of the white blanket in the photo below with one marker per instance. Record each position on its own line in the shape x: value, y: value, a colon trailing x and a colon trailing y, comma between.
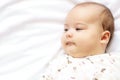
x: 30, y: 32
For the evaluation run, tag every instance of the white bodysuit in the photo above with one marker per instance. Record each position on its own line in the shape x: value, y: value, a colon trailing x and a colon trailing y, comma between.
x: 98, y: 67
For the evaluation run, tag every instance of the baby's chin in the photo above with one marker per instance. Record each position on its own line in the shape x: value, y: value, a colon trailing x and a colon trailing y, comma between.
x: 70, y: 50
x: 73, y: 51
x: 75, y: 54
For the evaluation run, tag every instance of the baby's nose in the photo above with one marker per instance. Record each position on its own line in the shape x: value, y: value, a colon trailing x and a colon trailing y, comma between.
x: 69, y: 34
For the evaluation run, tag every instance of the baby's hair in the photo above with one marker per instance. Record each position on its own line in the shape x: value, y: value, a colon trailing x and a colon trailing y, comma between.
x: 106, y: 17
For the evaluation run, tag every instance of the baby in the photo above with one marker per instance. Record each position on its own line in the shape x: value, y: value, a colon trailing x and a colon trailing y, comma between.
x: 88, y: 30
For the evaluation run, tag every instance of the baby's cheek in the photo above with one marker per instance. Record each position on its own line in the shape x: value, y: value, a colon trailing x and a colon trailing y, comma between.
x: 62, y: 39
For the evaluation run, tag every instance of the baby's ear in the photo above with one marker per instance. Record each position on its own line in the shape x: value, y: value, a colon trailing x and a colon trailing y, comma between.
x: 105, y: 37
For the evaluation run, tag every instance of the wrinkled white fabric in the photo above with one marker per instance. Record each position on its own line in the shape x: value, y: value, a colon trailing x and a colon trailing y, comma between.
x: 30, y: 32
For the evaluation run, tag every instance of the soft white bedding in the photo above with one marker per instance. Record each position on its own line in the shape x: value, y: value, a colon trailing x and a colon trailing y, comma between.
x: 30, y: 33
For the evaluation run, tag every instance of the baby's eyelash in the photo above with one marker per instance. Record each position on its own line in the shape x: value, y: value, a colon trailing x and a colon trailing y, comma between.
x: 78, y: 28
x: 65, y: 29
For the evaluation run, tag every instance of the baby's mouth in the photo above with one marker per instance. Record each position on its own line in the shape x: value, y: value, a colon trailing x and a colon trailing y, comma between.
x: 70, y: 43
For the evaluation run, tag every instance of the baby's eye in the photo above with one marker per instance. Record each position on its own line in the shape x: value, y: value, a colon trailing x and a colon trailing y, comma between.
x: 77, y: 29
x: 65, y: 30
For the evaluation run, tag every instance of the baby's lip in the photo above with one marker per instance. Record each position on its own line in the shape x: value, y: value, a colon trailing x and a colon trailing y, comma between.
x: 70, y: 43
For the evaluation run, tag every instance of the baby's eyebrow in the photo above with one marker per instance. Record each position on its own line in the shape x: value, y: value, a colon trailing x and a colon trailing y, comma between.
x: 66, y: 25
x: 75, y: 25
x: 81, y: 24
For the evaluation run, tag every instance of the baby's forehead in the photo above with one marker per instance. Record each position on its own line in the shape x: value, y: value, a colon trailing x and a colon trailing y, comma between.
x: 92, y: 8
x: 85, y: 13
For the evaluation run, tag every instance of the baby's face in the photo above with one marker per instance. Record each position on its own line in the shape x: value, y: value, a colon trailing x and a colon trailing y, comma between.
x: 82, y: 32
